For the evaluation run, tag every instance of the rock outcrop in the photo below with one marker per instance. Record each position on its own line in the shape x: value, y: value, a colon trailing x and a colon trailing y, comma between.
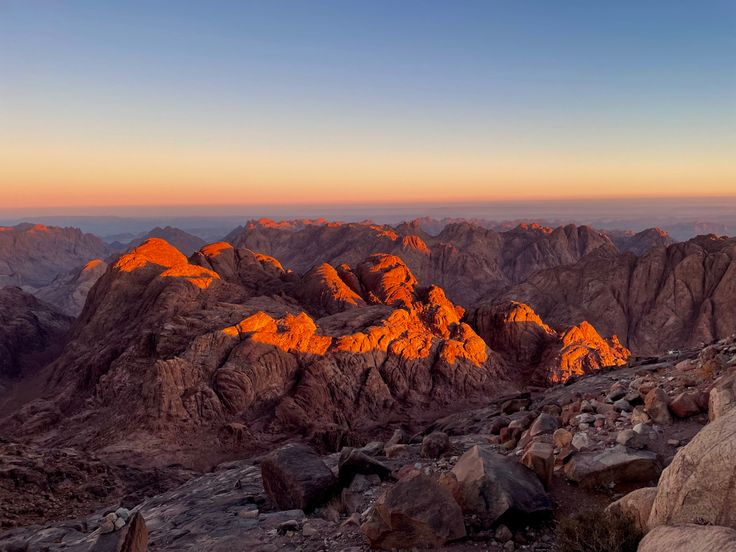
x: 209, y: 349
x: 516, y: 332
x: 31, y: 333
x: 698, y: 486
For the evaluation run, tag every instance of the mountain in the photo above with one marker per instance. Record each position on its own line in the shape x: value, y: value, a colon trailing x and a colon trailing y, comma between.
x: 68, y: 292
x: 31, y: 333
x: 640, y: 242
x: 33, y: 255
x: 670, y: 297
x: 185, y: 242
x: 543, y: 354
x: 468, y: 261
x: 227, y: 351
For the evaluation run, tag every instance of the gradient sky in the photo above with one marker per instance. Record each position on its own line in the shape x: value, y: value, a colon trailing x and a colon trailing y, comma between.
x: 214, y: 102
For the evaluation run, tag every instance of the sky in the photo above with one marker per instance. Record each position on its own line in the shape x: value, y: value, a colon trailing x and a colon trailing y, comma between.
x: 199, y: 104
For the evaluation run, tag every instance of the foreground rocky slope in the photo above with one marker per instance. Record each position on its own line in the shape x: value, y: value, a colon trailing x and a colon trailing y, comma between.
x: 228, y: 352
x: 503, y: 477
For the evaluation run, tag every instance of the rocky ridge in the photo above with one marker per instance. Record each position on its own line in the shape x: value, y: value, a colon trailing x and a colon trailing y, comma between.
x: 239, y: 351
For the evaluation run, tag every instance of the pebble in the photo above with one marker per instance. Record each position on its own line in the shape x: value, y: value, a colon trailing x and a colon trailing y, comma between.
x: 123, y: 513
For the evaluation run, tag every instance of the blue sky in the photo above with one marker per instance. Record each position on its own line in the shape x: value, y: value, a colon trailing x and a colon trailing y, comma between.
x: 404, y: 96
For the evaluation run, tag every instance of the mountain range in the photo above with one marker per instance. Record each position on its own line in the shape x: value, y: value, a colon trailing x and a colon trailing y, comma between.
x: 332, y: 334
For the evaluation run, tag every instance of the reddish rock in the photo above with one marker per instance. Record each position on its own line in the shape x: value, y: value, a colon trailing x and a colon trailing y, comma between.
x: 414, y: 512
x: 540, y: 458
x: 656, y: 404
x: 684, y: 405
x: 489, y: 485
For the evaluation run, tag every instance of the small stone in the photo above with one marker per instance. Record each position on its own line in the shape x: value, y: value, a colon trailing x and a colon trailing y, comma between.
x: 249, y: 514
x: 397, y: 451
x: 622, y: 405
x: 400, y: 437
x: 585, y: 418
x: 581, y: 441
x: 617, y: 392
x: 562, y: 438
x: 123, y: 513
x: 629, y: 438
x: 503, y: 534
x: 107, y: 526
x: 639, y: 416
x: 434, y: 444
x: 119, y: 523
x: 673, y: 442
x: 290, y: 525
x: 309, y: 530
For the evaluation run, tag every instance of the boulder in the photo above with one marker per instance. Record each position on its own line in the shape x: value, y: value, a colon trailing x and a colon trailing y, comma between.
x: 632, y: 439
x: 614, y: 465
x: 415, y: 512
x: 295, y: 477
x: 689, y: 538
x: 540, y: 458
x: 490, y: 485
x: 434, y: 445
x: 685, y: 405
x: 636, y: 505
x: 656, y: 405
x: 722, y: 396
x: 544, y: 424
x: 698, y: 486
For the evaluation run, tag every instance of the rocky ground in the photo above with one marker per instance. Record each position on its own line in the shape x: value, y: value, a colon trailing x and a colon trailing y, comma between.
x: 501, y: 477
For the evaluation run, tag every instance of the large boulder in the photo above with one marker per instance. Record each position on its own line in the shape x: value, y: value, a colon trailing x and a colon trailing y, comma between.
x: 689, y: 538
x: 490, y: 485
x: 636, y: 506
x: 415, y: 512
x: 296, y: 478
x: 698, y: 486
x: 614, y: 465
